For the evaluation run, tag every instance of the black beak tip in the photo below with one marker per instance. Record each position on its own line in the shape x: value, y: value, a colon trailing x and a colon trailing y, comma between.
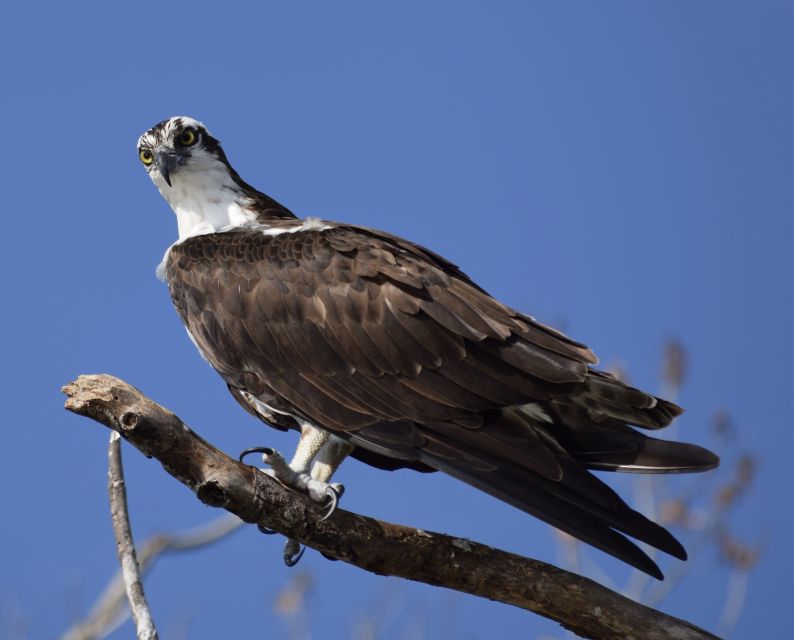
x: 166, y: 163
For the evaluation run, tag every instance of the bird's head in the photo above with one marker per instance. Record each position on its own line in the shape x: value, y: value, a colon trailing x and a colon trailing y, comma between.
x: 179, y: 146
x: 189, y: 167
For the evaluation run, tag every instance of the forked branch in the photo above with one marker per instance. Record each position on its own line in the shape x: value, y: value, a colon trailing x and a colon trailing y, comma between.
x: 579, y: 604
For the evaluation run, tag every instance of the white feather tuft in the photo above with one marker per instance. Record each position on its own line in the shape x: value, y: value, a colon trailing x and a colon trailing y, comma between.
x: 535, y: 411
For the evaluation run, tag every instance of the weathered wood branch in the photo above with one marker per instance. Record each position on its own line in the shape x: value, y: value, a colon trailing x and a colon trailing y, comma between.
x: 579, y: 604
x: 128, y: 559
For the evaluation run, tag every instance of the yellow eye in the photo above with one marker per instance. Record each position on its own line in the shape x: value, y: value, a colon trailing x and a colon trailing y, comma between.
x: 146, y: 156
x: 187, y: 137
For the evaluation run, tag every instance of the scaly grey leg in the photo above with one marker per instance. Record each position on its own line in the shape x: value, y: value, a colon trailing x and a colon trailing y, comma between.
x: 329, y: 457
x: 314, y: 444
x: 327, y: 452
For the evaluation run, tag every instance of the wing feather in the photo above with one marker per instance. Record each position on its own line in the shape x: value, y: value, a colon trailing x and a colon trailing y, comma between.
x: 346, y: 299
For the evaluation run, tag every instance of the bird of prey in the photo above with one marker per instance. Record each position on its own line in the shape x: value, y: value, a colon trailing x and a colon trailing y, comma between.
x: 374, y: 346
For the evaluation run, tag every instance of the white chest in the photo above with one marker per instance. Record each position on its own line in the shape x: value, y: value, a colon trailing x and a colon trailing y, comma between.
x: 205, y: 203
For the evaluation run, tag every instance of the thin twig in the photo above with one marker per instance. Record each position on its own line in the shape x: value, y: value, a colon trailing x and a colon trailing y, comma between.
x: 124, y: 545
x: 579, y: 604
x: 734, y: 600
x: 110, y: 610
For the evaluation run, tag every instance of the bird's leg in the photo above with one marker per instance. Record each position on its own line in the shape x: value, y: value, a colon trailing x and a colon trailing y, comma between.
x: 296, y: 474
x: 326, y: 461
x: 327, y: 452
x: 329, y: 457
x: 311, y: 441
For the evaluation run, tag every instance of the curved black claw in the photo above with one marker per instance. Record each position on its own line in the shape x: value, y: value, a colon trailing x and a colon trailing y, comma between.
x: 333, y: 494
x: 263, y: 529
x: 291, y: 554
x: 246, y: 452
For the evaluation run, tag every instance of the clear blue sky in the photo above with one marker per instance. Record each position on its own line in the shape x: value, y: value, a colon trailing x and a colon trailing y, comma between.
x: 622, y: 168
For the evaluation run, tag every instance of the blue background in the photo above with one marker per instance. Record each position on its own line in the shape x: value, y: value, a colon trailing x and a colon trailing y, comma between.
x: 620, y: 169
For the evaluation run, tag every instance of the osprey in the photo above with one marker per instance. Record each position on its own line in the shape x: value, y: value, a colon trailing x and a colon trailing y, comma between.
x: 376, y: 347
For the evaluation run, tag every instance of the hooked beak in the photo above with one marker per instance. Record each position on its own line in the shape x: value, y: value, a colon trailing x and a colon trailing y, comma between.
x: 166, y: 163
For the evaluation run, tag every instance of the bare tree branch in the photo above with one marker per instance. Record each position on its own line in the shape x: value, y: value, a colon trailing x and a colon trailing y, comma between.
x: 125, y: 547
x: 110, y: 609
x: 579, y: 604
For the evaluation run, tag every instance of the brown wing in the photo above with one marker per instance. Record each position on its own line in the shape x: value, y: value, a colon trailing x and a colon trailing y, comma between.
x: 352, y: 328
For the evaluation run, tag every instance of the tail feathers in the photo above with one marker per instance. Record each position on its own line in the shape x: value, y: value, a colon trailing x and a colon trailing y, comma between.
x: 577, y: 488
x: 517, y: 487
x: 604, y: 397
x: 592, y: 425
x: 577, y: 503
x: 611, y: 445
x: 647, y: 455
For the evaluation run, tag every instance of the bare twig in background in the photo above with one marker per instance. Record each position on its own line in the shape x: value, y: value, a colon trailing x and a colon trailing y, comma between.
x: 742, y: 558
x: 110, y: 610
x: 291, y: 604
x: 125, y: 547
x: 734, y: 600
x: 675, y: 363
x: 387, y: 613
x: 710, y: 527
x: 578, y: 603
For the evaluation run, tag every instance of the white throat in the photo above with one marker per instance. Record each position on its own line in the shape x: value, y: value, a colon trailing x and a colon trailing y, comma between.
x: 205, y: 199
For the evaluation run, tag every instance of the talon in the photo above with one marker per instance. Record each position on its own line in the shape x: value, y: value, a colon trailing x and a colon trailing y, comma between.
x: 334, y: 492
x: 339, y: 488
x: 263, y: 450
x: 293, y: 552
x: 263, y: 529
